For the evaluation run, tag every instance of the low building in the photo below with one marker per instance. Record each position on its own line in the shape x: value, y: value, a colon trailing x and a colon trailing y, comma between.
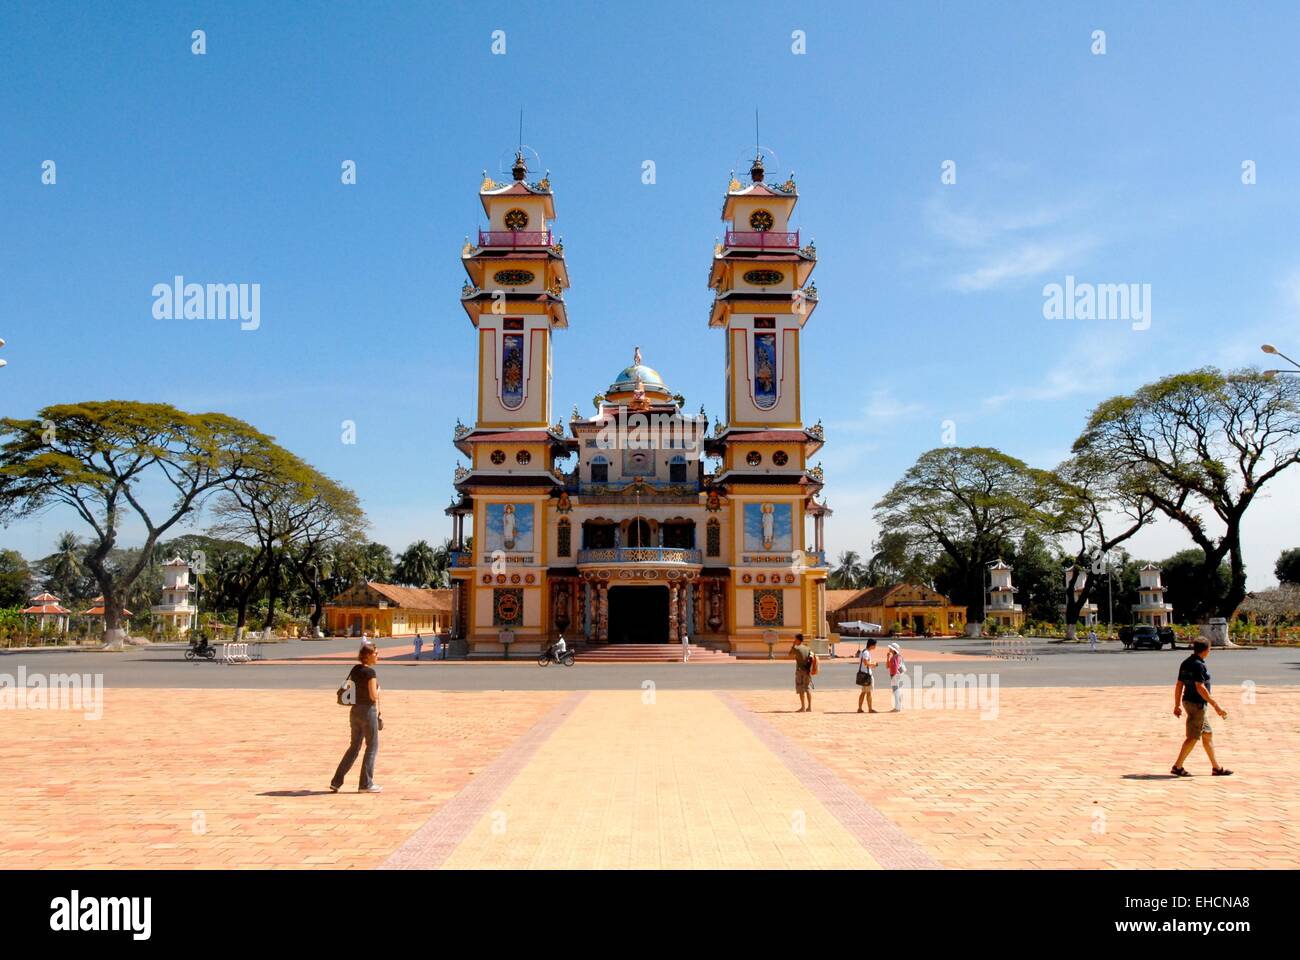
x: 97, y: 612
x: 911, y: 608
x: 388, y: 610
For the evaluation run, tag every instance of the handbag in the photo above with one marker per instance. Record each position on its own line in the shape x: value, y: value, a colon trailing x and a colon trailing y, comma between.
x: 864, y: 678
x: 347, y: 692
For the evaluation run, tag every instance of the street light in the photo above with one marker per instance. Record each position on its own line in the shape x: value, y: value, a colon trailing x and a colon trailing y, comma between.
x: 1270, y: 349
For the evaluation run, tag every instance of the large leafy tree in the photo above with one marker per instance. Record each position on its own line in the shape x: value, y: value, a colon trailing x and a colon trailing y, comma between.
x: 1200, y: 446
x: 1185, y: 585
x: 965, y: 504
x: 292, y: 519
x: 107, y: 460
x: 1094, y: 508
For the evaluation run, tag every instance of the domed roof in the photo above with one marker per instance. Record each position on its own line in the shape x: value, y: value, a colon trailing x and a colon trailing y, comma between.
x: 627, y: 378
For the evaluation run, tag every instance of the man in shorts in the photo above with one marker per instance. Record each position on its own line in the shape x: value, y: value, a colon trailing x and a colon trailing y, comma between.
x: 1192, y: 693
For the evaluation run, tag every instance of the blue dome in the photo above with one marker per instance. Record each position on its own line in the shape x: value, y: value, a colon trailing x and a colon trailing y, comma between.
x: 649, y: 377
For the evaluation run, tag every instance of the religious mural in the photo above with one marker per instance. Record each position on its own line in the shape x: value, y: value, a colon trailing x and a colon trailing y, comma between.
x: 512, y: 370
x: 769, y: 526
x: 509, y: 527
x: 765, y: 370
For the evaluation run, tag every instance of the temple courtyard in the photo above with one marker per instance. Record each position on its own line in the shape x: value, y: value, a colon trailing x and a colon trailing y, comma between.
x: 1056, y: 762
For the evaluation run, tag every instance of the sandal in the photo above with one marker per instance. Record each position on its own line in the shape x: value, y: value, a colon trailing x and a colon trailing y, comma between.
x: 1179, y: 772
x: 1222, y: 772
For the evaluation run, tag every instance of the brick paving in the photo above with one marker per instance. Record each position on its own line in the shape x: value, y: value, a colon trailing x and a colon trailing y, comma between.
x: 1071, y: 777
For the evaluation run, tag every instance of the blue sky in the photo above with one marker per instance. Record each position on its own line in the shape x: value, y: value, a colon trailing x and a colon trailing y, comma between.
x: 1119, y: 168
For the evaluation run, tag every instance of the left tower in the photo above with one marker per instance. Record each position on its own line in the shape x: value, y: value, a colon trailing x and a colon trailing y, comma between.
x: 514, y: 297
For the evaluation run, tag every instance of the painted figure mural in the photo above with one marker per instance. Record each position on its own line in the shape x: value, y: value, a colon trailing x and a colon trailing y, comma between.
x: 509, y: 526
x: 512, y: 370
x: 765, y: 370
x: 768, y: 526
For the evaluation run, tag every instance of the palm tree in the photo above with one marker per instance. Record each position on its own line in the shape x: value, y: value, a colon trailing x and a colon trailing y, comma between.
x: 849, y: 572
x: 418, y: 565
x: 65, y: 566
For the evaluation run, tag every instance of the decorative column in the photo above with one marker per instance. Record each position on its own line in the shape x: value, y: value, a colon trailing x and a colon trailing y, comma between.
x: 602, y: 622
x: 683, y: 618
x: 673, y: 603
x: 817, y: 532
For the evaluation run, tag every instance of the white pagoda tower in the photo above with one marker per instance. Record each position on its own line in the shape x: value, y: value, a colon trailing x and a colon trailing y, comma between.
x: 1002, y: 608
x: 1151, y: 607
x: 177, y: 610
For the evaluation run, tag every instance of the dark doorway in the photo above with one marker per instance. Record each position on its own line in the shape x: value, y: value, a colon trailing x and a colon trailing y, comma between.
x: 638, y: 614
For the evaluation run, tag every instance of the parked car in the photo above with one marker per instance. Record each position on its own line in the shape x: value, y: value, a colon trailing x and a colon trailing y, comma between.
x: 1142, y: 635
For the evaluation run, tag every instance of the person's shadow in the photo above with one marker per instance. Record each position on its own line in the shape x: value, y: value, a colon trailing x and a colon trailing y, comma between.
x: 1150, y: 776
x: 296, y: 793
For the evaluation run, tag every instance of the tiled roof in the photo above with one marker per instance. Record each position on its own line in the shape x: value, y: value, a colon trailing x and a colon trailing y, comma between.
x: 413, y: 598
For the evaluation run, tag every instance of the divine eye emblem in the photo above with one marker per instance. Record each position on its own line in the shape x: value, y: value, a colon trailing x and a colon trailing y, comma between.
x: 753, y: 458
x: 513, y: 278
x: 523, y: 457
x: 780, y: 458
x: 761, y: 220
x: 764, y: 278
x: 516, y: 219
x: 498, y: 457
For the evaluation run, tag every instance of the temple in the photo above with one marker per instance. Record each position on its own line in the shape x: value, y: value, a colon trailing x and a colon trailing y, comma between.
x: 611, y: 529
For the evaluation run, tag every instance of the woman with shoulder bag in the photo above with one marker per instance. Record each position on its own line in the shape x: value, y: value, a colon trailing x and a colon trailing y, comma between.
x: 364, y: 719
x: 864, y: 679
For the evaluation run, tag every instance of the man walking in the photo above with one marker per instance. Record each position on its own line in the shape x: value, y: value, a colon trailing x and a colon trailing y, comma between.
x: 1192, y: 693
x: 803, y: 657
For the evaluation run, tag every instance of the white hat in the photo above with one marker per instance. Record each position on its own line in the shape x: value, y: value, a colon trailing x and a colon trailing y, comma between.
x: 894, y: 647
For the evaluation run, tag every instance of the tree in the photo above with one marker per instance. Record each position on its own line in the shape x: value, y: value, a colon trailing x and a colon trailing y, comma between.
x: 292, y: 517
x: 967, y: 504
x: 64, y: 570
x: 99, y: 458
x: 848, y: 573
x: 15, y: 579
x: 895, y: 561
x: 1094, y: 508
x: 1287, y: 568
x: 1200, y: 446
x: 1184, y: 584
x: 417, y: 566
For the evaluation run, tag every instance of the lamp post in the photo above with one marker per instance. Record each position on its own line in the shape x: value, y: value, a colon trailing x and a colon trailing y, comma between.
x: 1267, y: 348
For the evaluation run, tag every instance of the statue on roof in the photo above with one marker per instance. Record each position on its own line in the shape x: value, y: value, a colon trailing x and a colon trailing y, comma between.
x: 636, y: 356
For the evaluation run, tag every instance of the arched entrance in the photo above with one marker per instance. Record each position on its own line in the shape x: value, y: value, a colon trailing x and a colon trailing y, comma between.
x: 638, y: 614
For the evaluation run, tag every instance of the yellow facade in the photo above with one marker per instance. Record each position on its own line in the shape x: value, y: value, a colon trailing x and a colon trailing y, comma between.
x: 590, y: 533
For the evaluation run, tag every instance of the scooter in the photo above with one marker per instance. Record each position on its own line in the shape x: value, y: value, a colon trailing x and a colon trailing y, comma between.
x: 201, y: 650
x: 547, y: 657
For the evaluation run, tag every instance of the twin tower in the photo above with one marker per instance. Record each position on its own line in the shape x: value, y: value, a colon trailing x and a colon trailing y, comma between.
x: 637, y: 546
x: 515, y: 298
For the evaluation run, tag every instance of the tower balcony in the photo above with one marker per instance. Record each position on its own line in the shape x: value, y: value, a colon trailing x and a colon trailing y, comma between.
x: 763, y: 239
x: 516, y: 239
x: 683, y: 555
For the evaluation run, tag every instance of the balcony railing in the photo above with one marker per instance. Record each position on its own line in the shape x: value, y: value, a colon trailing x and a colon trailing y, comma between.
x: 639, y: 555
x: 514, y: 238
x: 764, y: 239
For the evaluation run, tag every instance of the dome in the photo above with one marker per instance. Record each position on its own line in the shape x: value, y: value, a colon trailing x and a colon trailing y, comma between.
x: 627, y: 378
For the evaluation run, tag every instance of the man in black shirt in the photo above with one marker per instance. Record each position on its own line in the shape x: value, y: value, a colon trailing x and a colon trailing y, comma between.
x: 1192, y: 693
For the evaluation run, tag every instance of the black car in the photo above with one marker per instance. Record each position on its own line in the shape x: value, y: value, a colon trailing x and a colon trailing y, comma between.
x: 1145, y: 635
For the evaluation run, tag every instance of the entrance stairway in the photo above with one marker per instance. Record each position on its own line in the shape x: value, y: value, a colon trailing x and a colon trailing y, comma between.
x: 648, y: 653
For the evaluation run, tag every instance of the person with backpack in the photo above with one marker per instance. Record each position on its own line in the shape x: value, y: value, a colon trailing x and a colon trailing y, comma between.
x: 805, y: 667
x: 360, y: 692
x: 897, y: 667
x: 864, y: 679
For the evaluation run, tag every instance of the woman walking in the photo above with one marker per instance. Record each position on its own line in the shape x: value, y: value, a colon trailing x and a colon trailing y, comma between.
x: 364, y: 718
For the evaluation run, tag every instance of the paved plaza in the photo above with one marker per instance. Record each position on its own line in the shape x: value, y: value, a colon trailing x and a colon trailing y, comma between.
x: 649, y: 775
